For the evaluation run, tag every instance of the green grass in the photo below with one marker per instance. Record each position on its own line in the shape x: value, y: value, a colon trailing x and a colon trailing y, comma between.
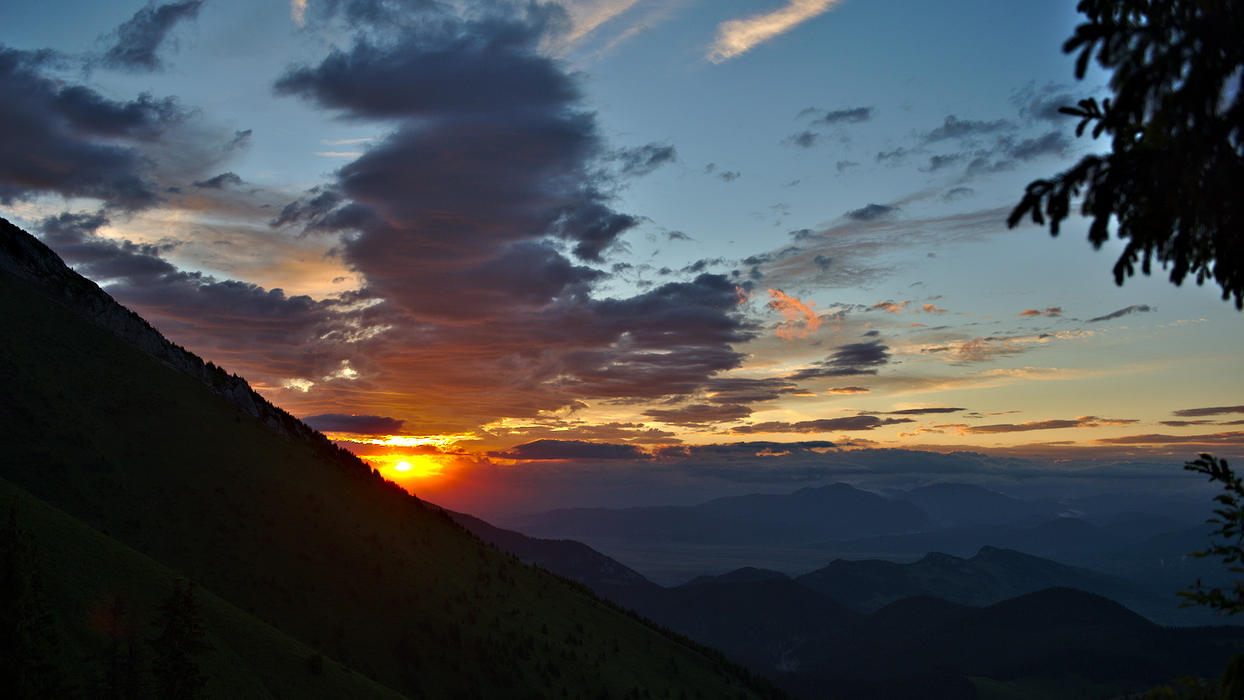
x: 344, y: 564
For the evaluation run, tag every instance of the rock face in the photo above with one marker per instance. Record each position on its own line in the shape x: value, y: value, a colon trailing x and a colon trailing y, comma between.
x: 26, y: 257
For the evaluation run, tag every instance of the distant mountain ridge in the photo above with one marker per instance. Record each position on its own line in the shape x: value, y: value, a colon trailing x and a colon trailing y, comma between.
x: 831, y: 511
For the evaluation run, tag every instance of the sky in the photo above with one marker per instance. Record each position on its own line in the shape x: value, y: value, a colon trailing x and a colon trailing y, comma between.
x: 524, y: 255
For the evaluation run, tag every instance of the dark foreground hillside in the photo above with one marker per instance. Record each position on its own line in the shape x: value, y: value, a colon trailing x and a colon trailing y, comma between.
x: 129, y: 471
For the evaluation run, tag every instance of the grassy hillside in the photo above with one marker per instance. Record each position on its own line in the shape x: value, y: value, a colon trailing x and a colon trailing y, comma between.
x: 84, y: 571
x: 335, y: 558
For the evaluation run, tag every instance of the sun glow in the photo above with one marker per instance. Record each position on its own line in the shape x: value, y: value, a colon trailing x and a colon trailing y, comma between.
x: 402, y: 467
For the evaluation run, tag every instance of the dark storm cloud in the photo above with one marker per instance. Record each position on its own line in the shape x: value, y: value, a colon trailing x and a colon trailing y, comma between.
x: 1125, y: 311
x: 352, y: 423
x: 872, y: 212
x: 822, y: 117
x: 1211, y: 411
x: 823, y: 425
x: 137, y: 41
x: 847, y: 360
x: 570, y: 449
x: 954, y: 128
x: 70, y: 140
x: 642, y: 160
x: 700, y: 414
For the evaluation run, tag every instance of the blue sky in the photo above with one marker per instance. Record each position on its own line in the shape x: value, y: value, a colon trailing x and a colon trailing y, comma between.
x: 540, y: 240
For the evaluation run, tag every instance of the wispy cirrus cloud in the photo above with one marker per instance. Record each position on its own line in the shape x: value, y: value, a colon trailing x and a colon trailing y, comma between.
x: 738, y: 36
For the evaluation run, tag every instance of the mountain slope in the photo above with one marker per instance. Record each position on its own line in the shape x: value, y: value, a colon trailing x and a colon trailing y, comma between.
x: 278, y: 522
x: 1094, y: 647
x: 992, y: 575
x: 85, y: 571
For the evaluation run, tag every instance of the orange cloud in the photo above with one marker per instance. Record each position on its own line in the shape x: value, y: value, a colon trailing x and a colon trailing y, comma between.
x: 847, y: 390
x: 889, y: 306
x: 800, y: 318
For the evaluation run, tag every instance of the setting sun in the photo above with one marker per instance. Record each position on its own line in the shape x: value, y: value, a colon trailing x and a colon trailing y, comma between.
x: 402, y: 467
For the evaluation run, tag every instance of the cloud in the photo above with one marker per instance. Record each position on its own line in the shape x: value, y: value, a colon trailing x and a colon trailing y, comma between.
x: 58, y: 137
x: 220, y: 181
x: 137, y: 41
x: 1051, y: 143
x: 802, y: 139
x: 352, y: 423
x: 1231, y: 438
x: 735, y: 37
x: 980, y: 349
x: 298, y: 12
x: 637, y: 433
x: 925, y: 411
x: 954, y: 128
x: 747, y: 390
x: 872, y: 212
x: 889, y: 306
x: 1081, y: 422
x: 852, y: 115
x: 570, y: 449
x: 1043, y: 104
x: 729, y: 175
x: 800, y: 318
x: 1125, y: 311
x: 700, y: 414
x: 823, y: 425
x: 1049, y: 312
x: 847, y: 390
x: 848, y: 360
x: 642, y: 160
x: 1211, y: 411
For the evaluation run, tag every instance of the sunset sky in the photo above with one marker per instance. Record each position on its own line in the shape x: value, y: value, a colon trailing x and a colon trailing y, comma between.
x: 618, y: 252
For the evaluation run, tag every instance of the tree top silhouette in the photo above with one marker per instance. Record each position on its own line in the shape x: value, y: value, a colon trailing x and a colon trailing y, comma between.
x: 1172, y: 185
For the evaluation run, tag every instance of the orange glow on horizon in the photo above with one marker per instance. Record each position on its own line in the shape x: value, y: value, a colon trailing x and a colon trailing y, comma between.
x: 405, y: 468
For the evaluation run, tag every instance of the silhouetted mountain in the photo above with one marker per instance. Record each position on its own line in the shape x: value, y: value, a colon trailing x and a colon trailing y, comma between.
x: 746, y: 574
x: 992, y: 575
x: 1093, y: 644
x: 574, y: 560
x: 136, y: 461
x: 1054, y: 537
x: 809, y: 514
x: 767, y: 624
x: 1136, y: 527
x: 951, y: 505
